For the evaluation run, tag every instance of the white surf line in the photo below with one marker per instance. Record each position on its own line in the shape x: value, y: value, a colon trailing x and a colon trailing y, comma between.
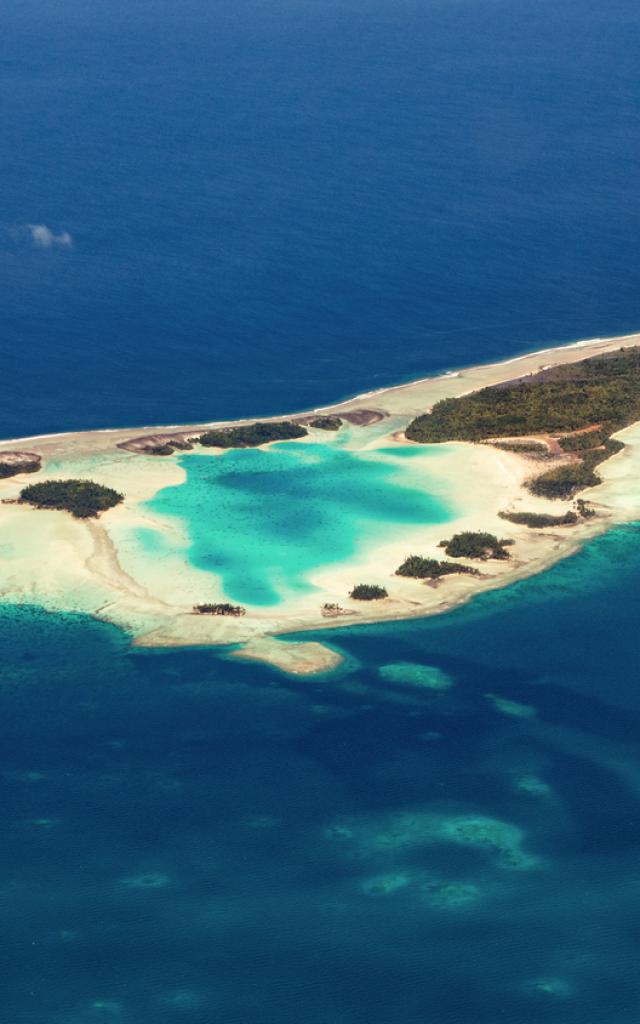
x: 160, y: 429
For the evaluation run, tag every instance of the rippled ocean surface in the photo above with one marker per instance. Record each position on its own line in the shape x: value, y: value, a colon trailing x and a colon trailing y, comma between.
x: 272, y: 205
x: 190, y: 838
x: 214, y: 209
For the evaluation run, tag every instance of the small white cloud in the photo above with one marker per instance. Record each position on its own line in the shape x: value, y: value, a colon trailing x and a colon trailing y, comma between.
x: 45, y: 238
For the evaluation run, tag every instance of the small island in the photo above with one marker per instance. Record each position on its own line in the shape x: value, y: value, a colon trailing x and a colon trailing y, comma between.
x: 252, y: 435
x: 526, y: 435
x: 84, y: 499
x: 419, y: 568
x: 368, y: 592
x: 540, y: 520
x: 14, y: 463
x: 222, y: 608
x: 476, y: 544
x: 326, y: 423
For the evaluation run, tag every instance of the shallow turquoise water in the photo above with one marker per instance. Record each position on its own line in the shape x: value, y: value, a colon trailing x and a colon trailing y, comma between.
x: 263, y: 519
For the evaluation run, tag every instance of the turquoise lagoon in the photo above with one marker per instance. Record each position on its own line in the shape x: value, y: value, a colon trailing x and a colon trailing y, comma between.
x: 262, y: 520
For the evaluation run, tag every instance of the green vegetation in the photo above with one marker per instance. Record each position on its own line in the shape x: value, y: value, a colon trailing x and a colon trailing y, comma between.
x: 252, y: 435
x: 330, y: 610
x: 566, y: 481
x: 431, y: 568
x: 601, y: 390
x: 83, y: 498
x: 538, y: 520
x: 470, y: 544
x: 582, y: 442
x: 8, y: 469
x: 522, y: 447
x: 368, y: 592
x: 160, y: 449
x: 584, y: 510
x: 219, y: 609
x: 326, y: 423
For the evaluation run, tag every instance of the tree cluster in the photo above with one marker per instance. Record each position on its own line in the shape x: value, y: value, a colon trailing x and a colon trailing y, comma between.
x: 523, y: 447
x: 538, y: 520
x: 602, y: 390
x: 8, y: 469
x: 566, y: 481
x: 252, y: 435
x: 368, y: 592
x: 84, y: 499
x: 431, y: 568
x: 222, y: 608
x: 476, y: 544
x: 326, y: 423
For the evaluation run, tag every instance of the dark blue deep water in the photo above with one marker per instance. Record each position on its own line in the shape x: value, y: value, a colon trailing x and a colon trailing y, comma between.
x: 212, y: 209
x: 186, y: 838
x: 277, y: 203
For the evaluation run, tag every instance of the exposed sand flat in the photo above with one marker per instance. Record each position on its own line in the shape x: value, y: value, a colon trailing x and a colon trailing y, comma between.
x: 300, y: 658
x: 51, y: 559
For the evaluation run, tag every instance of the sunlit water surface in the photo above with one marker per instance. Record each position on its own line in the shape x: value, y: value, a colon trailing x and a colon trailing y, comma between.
x: 262, y: 520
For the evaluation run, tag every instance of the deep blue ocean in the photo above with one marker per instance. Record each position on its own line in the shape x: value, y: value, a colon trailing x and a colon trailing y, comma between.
x: 217, y: 209
x: 273, y: 204
x: 190, y: 838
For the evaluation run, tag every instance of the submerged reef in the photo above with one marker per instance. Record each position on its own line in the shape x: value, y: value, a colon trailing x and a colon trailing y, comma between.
x: 449, y: 895
x: 496, y: 837
x: 501, y: 840
x: 382, y: 885
x: 511, y: 707
x: 533, y: 785
x: 150, y: 880
x: 409, y: 673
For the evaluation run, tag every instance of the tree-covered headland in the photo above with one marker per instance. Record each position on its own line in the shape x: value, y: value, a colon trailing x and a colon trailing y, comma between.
x: 602, y: 392
x: 252, y: 434
x: 84, y: 499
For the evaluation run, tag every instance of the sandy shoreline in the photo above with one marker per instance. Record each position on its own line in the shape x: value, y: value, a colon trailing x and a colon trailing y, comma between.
x: 48, y: 558
x: 408, y: 398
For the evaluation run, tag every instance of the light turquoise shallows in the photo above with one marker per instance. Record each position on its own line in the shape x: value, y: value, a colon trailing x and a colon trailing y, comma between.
x: 262, y: 519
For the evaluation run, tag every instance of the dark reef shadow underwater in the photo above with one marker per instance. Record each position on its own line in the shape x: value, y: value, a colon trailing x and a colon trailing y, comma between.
x: 190, y: 838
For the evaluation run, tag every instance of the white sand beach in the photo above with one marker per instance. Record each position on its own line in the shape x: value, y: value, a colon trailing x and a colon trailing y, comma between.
x: 61, y: 563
